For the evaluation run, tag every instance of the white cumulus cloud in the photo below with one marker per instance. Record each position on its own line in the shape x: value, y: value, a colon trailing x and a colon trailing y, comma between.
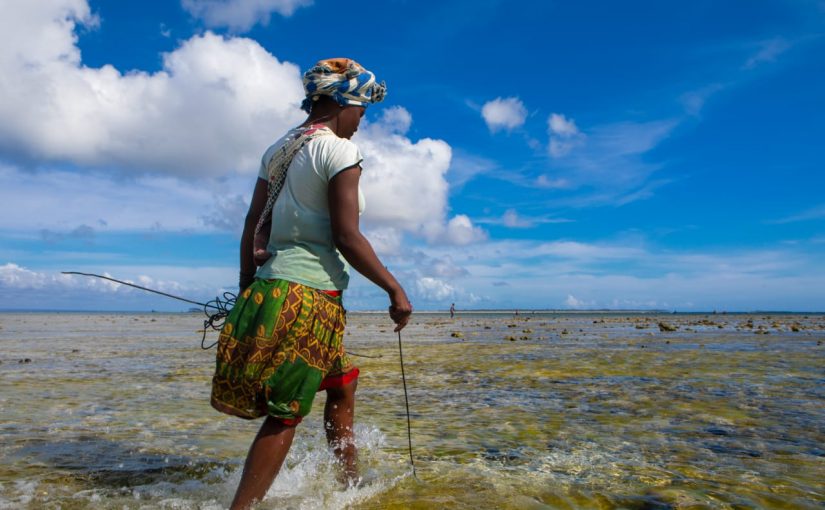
x: 404, y: 182
x: 504, y: 113
x: 433, y: 289
x: 573, y: 302
x: 240, y: 15
x: 209, y: 113
x: 211, y: 88
x: 461, y: 231
x: 561, y: 125
x: 564, y: 135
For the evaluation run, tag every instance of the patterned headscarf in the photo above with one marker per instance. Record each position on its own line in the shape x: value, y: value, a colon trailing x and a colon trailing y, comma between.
x: 343, y: 79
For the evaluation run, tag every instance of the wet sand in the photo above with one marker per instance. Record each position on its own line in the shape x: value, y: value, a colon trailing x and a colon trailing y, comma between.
x: 540, y: 410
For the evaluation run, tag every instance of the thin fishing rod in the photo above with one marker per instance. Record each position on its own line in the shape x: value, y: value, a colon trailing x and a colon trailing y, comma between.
x: 205, y: 305
x: 213, y: 321
x: 407, y: 404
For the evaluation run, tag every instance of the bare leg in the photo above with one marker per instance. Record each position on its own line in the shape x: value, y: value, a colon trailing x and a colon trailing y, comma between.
x: 339, y: 414
x: 264, y: 460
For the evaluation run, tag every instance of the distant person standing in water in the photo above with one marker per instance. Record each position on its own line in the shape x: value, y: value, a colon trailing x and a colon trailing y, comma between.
x: 452, y: 310
x: 283, y: 340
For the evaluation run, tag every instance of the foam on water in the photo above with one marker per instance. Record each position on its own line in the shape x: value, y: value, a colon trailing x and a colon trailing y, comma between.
x: 308, y: 480
x: 21, y: 495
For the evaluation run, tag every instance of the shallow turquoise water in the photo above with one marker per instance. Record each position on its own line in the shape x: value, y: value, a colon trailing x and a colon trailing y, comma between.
x: 534, y: 411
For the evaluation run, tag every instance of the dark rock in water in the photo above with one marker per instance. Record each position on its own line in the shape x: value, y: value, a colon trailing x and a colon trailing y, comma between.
x: 664, y: 326
x: 646, y: 502
x: 113, y: 465
x: 727, y: 450
x: 494, y: 454
x: 717, y: 431
x: 25, y: 360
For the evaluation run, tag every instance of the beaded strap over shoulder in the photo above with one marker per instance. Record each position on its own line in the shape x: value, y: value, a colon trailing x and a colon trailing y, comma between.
x: 276, y: 172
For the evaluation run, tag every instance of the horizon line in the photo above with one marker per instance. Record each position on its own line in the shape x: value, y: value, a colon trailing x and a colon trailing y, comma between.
x: 513, y: 311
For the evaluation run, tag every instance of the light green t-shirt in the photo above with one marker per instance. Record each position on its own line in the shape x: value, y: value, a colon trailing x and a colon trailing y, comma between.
x: 301, y: 238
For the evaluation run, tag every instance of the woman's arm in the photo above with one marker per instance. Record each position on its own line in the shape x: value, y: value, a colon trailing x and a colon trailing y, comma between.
x: 347, y: 236
x: 256, y: 206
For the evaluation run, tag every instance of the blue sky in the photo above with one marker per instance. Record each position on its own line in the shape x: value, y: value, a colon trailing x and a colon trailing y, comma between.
x: 633, y: 155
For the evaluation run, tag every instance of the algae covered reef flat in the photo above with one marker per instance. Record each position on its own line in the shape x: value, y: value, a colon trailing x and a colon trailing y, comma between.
x: 539, y: 410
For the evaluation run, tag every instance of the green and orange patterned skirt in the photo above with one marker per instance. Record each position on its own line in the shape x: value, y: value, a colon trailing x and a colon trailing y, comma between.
x: 281, y: 343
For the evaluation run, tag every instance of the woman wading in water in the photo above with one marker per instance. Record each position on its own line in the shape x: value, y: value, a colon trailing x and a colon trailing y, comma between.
x: 283, y: 340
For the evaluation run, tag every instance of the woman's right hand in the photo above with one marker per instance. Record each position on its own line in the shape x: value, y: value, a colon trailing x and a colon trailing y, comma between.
x: 400, y: 308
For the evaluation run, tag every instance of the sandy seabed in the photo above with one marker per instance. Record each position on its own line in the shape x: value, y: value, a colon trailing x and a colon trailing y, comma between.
x: 539, y: 410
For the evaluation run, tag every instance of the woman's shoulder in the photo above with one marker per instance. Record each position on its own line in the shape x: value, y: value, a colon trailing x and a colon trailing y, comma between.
x: 334, y: 142
x: 332, y: 147
x: 331, y: 154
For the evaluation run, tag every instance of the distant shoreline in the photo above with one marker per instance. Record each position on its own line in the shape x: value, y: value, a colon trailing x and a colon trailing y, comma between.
x: 509, y: 312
